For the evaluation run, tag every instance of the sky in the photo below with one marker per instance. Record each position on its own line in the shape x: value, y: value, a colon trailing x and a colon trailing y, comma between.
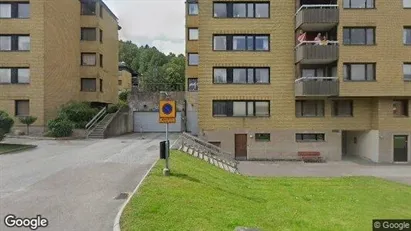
x: 158, y: 23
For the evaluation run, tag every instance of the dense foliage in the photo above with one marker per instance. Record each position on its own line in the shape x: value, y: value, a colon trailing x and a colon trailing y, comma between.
x: 157, y: 71
x: 60, y: 127
x: 80, y: 113
x: 6, y: 122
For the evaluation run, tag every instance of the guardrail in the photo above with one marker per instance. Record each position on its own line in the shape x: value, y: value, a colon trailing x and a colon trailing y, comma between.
x: 319, y: 6
x: 95, y: 119
x: 330, y: 42
x: 315, y: 78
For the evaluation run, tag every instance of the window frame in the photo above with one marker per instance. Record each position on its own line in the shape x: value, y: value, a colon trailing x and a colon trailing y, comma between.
x: 259, y: 137
x: 349, y: 28
x: 100, y: 35
x: 229, y: 105
x: 406, y: 7
x: 230, y: 9
x: 101, y: 85
x: 403, y: 70
x: 188, y: 59
x: 16, y: 107
x: 82, y: 89
x: 230, y: 75
x: 188, y: 8
x: 15, y: 9
x: 14, y: 76
x: 299, y: 137
x: 405, y: 28
x: 348, y: 79
x: 101, y: 60
x: 84, y: 29
x: 404, y: 104
x: 188, y: 33
x: 101, y: 8
x: 230, y: 42
x: 366, y: 1
x: 188, y: 84
x: 88, y: 53
x: 14, y: 42
x: 82, y: 10
x: 317, y: 115
x: 336, y: 109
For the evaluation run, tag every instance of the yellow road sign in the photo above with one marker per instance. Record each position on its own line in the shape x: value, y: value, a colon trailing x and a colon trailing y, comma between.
x: 167, y: 109
x: 167, y: 120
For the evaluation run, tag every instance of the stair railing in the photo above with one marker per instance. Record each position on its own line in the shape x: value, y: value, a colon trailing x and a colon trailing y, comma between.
x: 94, y: 120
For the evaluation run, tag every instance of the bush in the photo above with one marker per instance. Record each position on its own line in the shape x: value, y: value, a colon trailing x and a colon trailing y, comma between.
x: 112, y: 108
x: 123, y: 96
x: 6, y: 122
x: 122, y: 104
x: 80, y: 113
x: 60, y: 127
x: 28, y: 120
x: 1, y: 134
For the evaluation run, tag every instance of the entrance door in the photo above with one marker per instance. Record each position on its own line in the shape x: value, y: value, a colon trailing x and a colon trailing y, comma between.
x: 400, y: 148
x: 241, y: 146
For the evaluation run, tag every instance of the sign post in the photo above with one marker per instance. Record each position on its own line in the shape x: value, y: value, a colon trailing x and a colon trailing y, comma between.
x: 167, y: 114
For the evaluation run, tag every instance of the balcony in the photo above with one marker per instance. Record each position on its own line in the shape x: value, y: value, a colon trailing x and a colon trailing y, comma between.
x: 317, y: 86
x: 308, y: 52
x: 317, y: 17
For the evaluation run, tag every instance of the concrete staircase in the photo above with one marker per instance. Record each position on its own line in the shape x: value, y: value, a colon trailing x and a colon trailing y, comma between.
x: 98, y: 130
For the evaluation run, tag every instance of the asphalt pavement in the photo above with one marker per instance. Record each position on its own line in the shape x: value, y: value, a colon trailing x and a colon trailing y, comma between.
x: 74, y: 184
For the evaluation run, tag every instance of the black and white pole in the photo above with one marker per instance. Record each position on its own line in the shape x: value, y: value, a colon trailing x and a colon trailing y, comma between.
x: 166, y: 170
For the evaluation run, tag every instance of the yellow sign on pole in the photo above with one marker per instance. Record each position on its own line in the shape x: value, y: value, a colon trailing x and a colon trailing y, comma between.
x: 167, y: 111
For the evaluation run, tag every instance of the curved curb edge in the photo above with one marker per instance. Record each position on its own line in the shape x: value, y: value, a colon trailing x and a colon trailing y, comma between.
x: 116, y: 225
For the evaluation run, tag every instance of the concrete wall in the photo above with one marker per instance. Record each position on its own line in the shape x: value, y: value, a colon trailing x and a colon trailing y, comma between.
x: 366, y: 145
x: 386, y: 145
x: 119, y: 125
x: 282, y: 145
x: 149, y: 101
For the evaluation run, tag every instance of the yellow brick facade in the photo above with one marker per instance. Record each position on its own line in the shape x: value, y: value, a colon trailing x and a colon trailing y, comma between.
x: 124, y: 80
x: 54, y: 58
x: 372, y: 101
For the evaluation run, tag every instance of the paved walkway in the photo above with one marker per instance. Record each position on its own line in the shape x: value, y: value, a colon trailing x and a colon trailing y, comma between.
x: 73, y: 183
x: 350, y: 167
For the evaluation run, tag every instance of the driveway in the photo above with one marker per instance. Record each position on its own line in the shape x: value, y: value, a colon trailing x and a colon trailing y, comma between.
x: 349, y: 167
x: 74, y: 183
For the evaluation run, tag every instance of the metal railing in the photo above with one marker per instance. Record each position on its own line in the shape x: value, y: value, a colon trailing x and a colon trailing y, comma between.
x: 320, y: 6
x: 95, y: 119
x: 315, y: 78
x: 330, y: 42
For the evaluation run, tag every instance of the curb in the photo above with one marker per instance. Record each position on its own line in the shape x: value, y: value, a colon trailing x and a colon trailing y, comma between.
x: 26, y: 147
x: 44, y: 138
x: 116, y: 225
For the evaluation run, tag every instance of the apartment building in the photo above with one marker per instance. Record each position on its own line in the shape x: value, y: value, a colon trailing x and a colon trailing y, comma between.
x: 275, y: 79
x: 127, y: 78
x: 52, y: 52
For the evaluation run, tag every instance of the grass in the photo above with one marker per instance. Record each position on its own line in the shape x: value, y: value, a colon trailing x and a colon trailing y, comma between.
x: 199, y: 196
x: 9, y: 148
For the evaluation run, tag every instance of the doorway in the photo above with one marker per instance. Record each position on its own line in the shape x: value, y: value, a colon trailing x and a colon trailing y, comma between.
x: 241, y: 146
x: 400, y: 148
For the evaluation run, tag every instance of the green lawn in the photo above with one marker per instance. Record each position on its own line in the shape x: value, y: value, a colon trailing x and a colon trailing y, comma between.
x: 200, y: 196
x: 8, y: 148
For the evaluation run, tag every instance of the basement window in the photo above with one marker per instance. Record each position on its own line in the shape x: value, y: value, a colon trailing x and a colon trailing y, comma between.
x: 262, y: 137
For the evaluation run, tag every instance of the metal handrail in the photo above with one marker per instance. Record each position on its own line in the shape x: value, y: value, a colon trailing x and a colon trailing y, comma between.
x: 320, y: 6
x: 315, y: 42
x: 315, y: 78
x: 94, y: 120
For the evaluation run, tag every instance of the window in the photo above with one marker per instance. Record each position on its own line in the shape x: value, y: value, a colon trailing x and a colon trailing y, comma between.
x: 192, y: 84
x: 241, y: 42
x: 193, y: 59
x: 193, y: 9
x: 400, y: 108
x: 15, y: 10
x: 101, y: 10
x: 407, y: 71
x: 309, y: 108
x: 241, y: 108
x: 22, y: 107
x: 101, y: 36
x: 262, y: 137
x: 88, y: 59
x: 88, y: 84
x: 359, y: 36
x: 343, y: 108
x: 241, y: 10
x: 359, y: 4
x: 319, y: 72
x: 88, y: 7
x: 120, y: 82
x: 359, y: 72
x: 101, y: 60
x: 242, y: 75
x: 88, y: 34
x: 101, y: 85
x: 407, y: 35
x: 14, y: 42
x: 407, y: 3
x: 192, y: 33
x: 310, y: 137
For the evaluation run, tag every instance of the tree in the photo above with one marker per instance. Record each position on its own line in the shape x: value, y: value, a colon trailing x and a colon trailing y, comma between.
x: 6, y: 122
x: 28, y: 120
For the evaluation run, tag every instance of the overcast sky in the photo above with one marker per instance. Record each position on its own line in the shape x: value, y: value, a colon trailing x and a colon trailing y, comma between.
x: 158, y: 23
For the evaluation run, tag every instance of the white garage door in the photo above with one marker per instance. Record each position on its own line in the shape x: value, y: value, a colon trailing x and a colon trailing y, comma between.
x: 148, y: 122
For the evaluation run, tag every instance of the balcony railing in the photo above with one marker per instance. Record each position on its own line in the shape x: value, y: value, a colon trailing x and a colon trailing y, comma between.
x: 317, y: 17
x: 310, y: 52
x: 317, y: 86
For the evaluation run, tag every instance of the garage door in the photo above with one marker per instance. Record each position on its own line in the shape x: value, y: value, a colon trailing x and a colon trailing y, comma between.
x: 148, y: 122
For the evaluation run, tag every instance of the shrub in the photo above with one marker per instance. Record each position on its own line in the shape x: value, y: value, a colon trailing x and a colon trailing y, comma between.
x: 123, y: 96
x: 6, y: 122
x: 60, y: 127
x: 80, y: 113
x: 28, y: 120
x: 1, y: 134
x: 112, y: 108
x: 122, y: 104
